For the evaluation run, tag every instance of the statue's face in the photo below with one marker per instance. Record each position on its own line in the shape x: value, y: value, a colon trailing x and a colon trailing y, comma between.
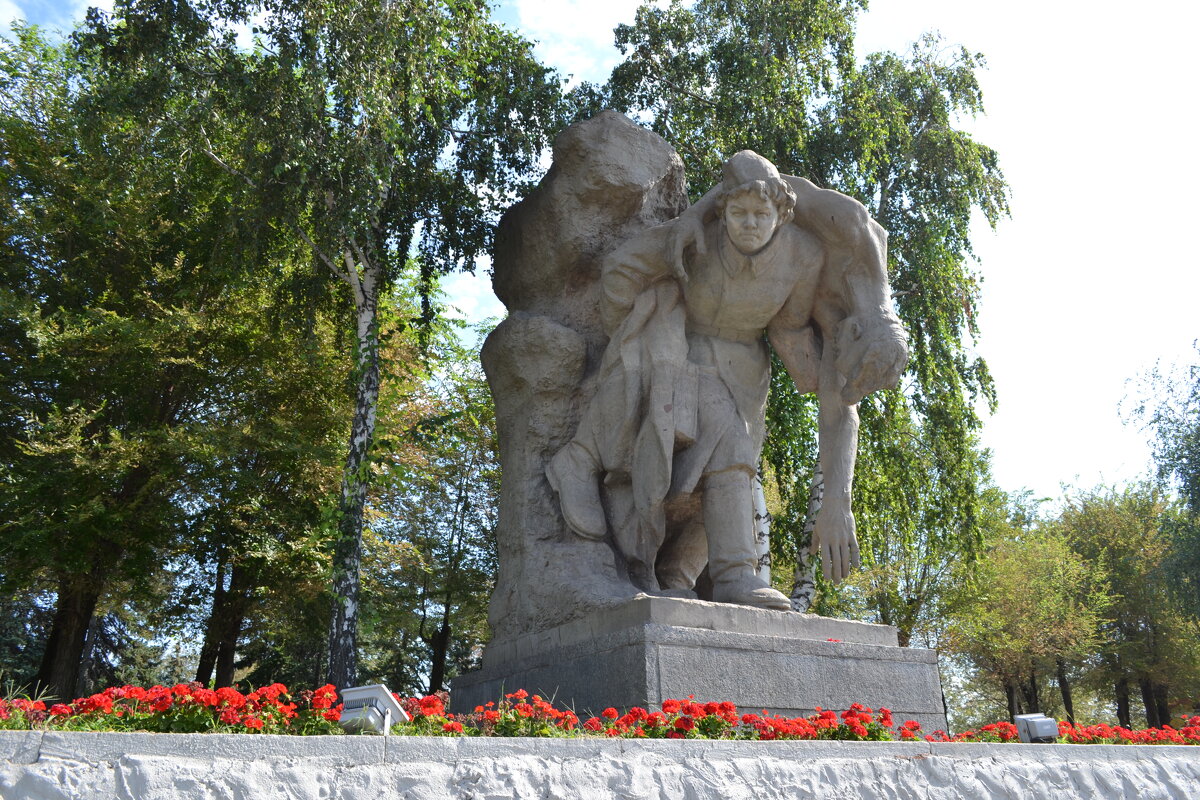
x: 750, y: 221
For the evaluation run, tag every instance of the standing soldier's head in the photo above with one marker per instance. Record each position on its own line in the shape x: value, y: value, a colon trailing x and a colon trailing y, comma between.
x: 755, y: 202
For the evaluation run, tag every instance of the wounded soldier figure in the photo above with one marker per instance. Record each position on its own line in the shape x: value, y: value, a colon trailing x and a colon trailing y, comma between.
x: 667, y: 449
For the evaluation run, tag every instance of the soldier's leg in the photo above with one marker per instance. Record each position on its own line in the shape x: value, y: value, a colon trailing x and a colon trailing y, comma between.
x: 683, y: 558
x: 732, y: 556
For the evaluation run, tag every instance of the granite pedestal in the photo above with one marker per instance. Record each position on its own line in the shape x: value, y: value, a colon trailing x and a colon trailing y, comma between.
x: 654, y: 648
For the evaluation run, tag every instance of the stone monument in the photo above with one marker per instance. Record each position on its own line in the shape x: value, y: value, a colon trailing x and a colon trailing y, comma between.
x: 630, y: 380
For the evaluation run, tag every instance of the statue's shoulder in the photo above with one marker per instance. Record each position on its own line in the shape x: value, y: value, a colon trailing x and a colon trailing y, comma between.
x: 828, y: 213
x: 798, y: 238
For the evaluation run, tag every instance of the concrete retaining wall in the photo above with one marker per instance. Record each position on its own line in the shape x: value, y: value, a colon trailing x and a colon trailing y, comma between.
x: 98, y: 766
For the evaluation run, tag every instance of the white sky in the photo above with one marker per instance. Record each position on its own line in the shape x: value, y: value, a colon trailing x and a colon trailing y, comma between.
x: 1090, y: 106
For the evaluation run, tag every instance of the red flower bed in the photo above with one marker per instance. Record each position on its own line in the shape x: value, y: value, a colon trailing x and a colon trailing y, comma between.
x: 190, y: 707
x: 183, y: 708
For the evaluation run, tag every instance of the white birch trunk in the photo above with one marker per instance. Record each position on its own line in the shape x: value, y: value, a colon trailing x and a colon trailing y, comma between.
x: 347, y: 556
x: 804, y: 580
x: 762, y: 531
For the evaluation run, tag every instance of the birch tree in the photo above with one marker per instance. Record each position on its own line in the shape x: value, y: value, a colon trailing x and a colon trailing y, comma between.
x: 389, y: 134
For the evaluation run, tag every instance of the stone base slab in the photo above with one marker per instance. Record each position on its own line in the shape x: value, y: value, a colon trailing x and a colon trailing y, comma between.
x: 124, y: 766
x: 655, y: 648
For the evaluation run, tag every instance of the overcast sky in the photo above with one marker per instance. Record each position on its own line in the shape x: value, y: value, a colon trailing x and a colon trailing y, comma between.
x: 1092, y: 280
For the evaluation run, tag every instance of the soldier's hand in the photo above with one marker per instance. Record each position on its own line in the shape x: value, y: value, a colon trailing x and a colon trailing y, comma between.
x: 835, y: 541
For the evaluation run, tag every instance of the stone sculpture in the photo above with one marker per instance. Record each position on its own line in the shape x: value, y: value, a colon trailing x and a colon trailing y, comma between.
x: 679, y: 410
x: 631, y: 373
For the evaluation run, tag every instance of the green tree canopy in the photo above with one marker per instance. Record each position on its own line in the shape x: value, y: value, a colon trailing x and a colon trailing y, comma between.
x: 373, y: 131
x: 1149, y: 642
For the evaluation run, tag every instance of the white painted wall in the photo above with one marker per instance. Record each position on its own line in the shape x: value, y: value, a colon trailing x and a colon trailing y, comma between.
x: 98, y: 766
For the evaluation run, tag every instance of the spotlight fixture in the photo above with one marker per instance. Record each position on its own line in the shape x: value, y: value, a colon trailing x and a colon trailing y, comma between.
x: 370, y: 709
x: 1036, y: 728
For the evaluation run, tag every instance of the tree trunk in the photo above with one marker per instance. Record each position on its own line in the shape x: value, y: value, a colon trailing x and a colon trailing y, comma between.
x: 347, y: 554
x: 1010, y: 694
x: 1147, y: 688
x: 1121, y: 690
x: 762, y: 531
x: 804, y: 579
x: 439, y: 646
x: 1064, y: 686
x: 59, y: 672
x: 1160, y: 702
x: 208, y: 651
x: 1029, y: 688
x: 241, y: 586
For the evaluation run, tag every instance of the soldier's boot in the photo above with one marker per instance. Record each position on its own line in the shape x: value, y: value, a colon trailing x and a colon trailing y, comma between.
x: 732, y: 558
x: 574, y: 473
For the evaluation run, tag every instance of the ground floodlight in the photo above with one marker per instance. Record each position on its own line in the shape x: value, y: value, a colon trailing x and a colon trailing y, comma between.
x: 370, y: 709
x: 1036, y: 728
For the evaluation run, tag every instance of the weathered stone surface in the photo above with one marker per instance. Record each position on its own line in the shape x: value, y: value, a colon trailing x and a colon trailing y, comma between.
x: 20, y: 747
x: 648, y: 442
x: 166, y: 766
x: 663, y: 460
x: 653, y: 648
x: 672, y: 612
x: 631, y: 375
x: 610, y: 179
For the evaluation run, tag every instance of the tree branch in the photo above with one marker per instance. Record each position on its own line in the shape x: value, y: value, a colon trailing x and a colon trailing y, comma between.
x: 235, y: 172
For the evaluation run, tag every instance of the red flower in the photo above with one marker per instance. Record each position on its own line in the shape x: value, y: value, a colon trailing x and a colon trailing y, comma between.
x: 253, y: 723
x: 684, y: 724
x: 610, y: 713
x: 453, y: 727
x: 671, y: 706
x: 491, y: 716
x: 232, y: 698
x: 60, y: 710
x: 593, y: 724
x: 431, y: 706
x: 324, y: 697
